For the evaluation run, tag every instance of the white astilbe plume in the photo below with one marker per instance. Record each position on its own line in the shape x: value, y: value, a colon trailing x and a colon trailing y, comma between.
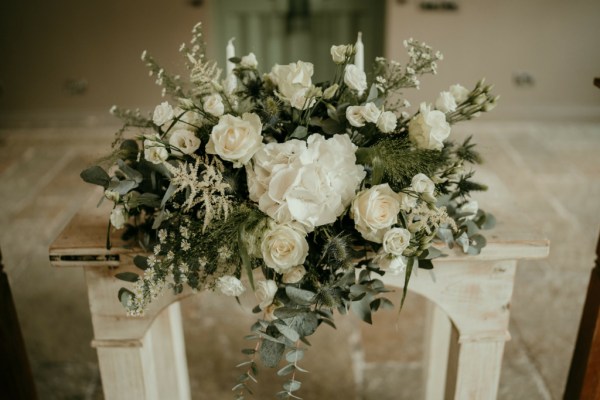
x: 206, y: 187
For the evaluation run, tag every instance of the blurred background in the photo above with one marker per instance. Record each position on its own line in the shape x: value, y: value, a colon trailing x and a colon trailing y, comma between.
x: 65, y: 63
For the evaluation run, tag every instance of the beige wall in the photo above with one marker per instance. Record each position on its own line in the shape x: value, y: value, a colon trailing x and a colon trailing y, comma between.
x: 557, y: 42
x: 44, y: 43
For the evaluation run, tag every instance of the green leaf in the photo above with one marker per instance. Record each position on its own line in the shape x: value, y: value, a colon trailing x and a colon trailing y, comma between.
x: 244, y: 256
x: 271, y: 353
x: 287, y: 331
x: 425, y: 264
x: 433, y: 253
x: 292, y: 385
x: 149, y: 200
x: 248, y: 351
x: 490, y: 221
x: 122, y: 186
x: 299, y: 133
x: 141, y: 262
x: 129, y: 172
x: 409, y: 267
x: 125, y: 296
x: 328, y: 322
x: 362, y: 309
x: 300, y: 296
x: 373, y: 93
x: 170, y: 191
x: 288, y: 369
x: 96, y: 176
x: 378, y: 169
x: 295, y: 355
x: 127, y: 276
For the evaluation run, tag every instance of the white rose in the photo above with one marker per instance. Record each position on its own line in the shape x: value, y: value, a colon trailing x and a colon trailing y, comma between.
x: 374, y: 210
x: 330, y: 91
x: 283, y: 248
x: 249, y: 61
x: 445, y: 102
x: 230, y: 286
x: 162, y: 113
x: 393, y: 265
x: 338, y: 53
x: 371, y: 112
x: 236, y: 139
x: 293, y: 83
x: 395, y: 241
x: 213, y: 105
x: 422, y: 184
x: 355, y: 79
x: 471, y: 208
x: 184, y: 141
x: 459, y: 92
x: 387, y: 122
x: 265, y: 293
x: 429, y: 129
x: 154, y: 151
x: 294, y: 275
x: 118, y: 216
x: 355, y: 116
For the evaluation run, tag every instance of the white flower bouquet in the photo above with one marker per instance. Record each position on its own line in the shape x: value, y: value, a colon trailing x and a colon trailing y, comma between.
x: 318, y: 188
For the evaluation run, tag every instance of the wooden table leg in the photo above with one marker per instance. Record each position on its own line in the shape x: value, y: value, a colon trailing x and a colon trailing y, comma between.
x: 437, y: 344
x: 476, y: 298
x: 139, y: 357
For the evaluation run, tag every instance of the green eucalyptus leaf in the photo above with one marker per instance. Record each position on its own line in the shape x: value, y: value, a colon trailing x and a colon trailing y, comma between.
x: 295, y: 355
x: 288, y: 369
x: 127, y: 276
x: 271, y: 353
x: 299, y: 133
x: 490, y: 221
x: 129, y: 172
x: 408, y: 272
x: 425, y: 264
x: 373, y: 93
x: 292, y: 385
x: 300, y: 296
x: 96, y: 176
x: 125, y: 296
x: 141, y: 262
x: 362, y: 309
x: 288, y: 332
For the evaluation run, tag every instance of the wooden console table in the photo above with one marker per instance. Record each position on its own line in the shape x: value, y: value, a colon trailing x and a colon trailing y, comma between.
x: 144, y: 357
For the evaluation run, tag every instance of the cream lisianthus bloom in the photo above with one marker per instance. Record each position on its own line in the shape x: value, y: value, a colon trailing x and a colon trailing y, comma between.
x: 445, y: 102
x: 118, y: 216
x: 265, y: 293
x: 162, y: 113
x: 249, y: 61
x: 339, y: 53
x: 184, y: 141
x: 213, y: 105
x: 236, y: 139
x: 429, y: 128
x: 154, y: 151
x: 355, y: 79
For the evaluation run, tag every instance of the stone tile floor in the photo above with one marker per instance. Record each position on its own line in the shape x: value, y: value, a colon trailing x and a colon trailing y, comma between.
x: 552, y: 171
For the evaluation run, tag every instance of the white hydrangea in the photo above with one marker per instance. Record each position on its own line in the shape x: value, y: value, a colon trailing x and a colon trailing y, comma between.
x: 230, y: 286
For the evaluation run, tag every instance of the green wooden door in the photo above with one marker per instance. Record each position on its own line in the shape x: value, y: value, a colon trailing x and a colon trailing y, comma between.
x: 284, y: 31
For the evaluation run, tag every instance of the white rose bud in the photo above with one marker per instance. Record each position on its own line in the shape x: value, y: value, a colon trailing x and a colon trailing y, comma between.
x: 249, y: 61
x: 236, y: 139
x: 459, y: 92
x: 184, y: 141
x: 155, y: 152
x: 283, y: 248
x: 445, y: 102
x: 422, y: 184
x: 429, y: 129
x: 371, y: 112
x: 265, y: 293
x: 330, y: 91
x: 118, y: 217
x: 395, y: 241
x: 230, y: 286
x: 162, y: 113
x: 374, y: 210
x: 294, y: 275
x: 387, y: 122
x: 213, y: 105
x: 112, y: 195
x: 355, y: 79
x: 338, y: 53
x: 355, y: 116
